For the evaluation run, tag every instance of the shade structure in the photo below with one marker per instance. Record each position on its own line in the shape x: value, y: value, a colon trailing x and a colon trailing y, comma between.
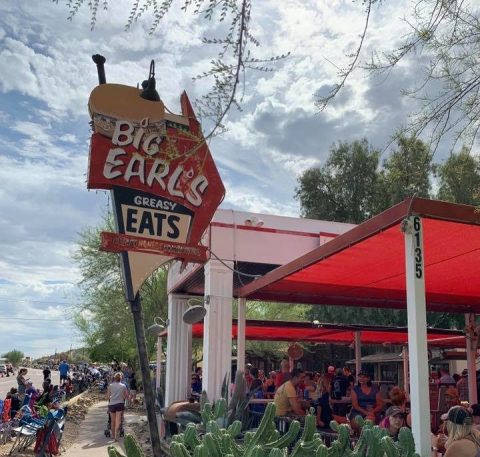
x: 366, y: 265
x: 263, y: 330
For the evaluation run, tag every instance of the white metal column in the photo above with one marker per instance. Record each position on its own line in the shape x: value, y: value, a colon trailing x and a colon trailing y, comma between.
x: 472, y: 342
x: 417, y: 334
x: 217, y: 334
x: 242, y: 305
x: 358, y: 353
x: 406, y: 383
x: 179, y: 351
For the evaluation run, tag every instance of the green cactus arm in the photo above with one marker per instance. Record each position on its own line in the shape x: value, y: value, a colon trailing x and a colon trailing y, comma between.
x: 132, y: 448
x: 190, y: 436
x: 212, y: 445
x: 220, y: 408
x: 212, y: 427
x: 178, y: 450
x: 264, y: 428
x: 322, y: 451
x: 406, y: 442
x: 234, y: 429
x: 275, y: 452
x: 388, y: 447
x: 287, y: 438
x: 114, y: 452
x: 309, y: 428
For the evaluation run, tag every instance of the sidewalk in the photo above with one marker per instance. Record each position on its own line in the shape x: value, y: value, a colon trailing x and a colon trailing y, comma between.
x: 91, y: 435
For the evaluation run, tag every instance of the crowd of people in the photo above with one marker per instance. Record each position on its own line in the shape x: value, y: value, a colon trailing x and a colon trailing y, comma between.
x: 337, y: 395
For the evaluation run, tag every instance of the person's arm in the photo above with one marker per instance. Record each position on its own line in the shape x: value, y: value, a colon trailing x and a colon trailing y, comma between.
x: 461, y: 448
x: 378, y: 403
x: 108, y: 394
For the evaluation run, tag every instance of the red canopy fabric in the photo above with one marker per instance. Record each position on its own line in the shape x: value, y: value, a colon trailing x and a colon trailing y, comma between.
x: 366, y: 265
x: 336, y: 333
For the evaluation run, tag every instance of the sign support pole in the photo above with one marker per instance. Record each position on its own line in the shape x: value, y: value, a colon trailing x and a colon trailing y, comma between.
x: 417, y: 333
x: 136, y: 308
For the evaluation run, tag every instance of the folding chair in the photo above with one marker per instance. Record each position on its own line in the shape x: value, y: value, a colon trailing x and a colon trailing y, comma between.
x: 26, y: 431
x: 5, y: 422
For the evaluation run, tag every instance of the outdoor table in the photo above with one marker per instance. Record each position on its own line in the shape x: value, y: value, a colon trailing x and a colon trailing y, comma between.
x: 260, y: 401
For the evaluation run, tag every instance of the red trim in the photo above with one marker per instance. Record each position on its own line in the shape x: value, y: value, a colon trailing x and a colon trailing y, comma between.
x: 271, y: 230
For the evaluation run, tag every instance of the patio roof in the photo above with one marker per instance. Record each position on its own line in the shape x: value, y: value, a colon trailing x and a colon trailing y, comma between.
x: 366, y: 265
x: 336, y: 333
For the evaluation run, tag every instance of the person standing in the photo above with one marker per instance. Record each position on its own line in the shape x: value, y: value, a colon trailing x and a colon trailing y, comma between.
x: 117, y: 394
x: 462, y: 386
x: 63, y: 368
x: 22, y: 383
x: 46, y: 372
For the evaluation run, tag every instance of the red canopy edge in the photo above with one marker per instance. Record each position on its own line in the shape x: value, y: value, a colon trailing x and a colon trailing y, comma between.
x: 261, y: 330
x: 366, y: 265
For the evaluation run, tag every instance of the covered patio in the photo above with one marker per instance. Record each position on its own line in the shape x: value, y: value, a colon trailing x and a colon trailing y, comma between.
x: 420, y: 254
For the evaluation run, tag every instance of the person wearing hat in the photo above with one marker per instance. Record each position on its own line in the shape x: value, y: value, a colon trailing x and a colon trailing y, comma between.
x: 394, y: 420
x: 462, y: 386
x: 462, y: 440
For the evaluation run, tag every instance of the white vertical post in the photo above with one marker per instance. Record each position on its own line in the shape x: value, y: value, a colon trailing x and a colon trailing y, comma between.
x: 217, y: 334
x: 159, y: 362
x: 472, y: 341
x: 406, y: 384
x: 358, y: 353
x: 178, y: 376
x: 241, y: 321
x: 417, y: 334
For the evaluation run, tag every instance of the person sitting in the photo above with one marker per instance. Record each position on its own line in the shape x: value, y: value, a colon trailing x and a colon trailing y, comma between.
x: 323, y: 409
x: 196, y: 385
x: 393, y: 421
x: 256, y: 392
x: 476, y: 416
x: 269, y: 384
x: 366, y: 401
x: 286, y: 399
x: 398, y: 397
x: 284, y: 374
x: 15, y: 403
x: 462, y: 440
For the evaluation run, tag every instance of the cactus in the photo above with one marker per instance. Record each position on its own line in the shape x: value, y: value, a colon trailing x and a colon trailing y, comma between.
x: 266, y: 441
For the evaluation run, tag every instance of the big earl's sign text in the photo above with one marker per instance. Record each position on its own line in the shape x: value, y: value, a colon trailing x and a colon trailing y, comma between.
x: 165, y: 185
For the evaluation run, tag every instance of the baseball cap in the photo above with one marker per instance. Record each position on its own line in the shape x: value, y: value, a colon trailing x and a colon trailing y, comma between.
x: 459, y: 415
x: 393, y: 411
x: 331, y: 369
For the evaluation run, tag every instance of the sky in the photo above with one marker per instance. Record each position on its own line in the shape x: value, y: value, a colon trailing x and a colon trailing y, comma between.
x: 46, y: 76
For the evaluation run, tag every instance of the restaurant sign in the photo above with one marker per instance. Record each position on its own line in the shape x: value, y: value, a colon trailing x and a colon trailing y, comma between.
x: 164, y: 183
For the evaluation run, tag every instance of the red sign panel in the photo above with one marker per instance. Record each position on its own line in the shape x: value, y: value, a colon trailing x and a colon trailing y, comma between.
x: 167, y: 158
x: 117, y: 242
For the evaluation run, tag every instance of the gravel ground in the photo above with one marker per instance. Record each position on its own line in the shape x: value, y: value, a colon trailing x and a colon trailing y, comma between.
x: 76, y: 414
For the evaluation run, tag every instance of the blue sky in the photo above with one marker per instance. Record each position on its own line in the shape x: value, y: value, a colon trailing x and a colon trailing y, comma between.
x: 46, y: 75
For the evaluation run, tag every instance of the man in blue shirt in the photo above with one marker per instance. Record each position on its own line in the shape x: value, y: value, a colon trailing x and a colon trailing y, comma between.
x: 63, y: 368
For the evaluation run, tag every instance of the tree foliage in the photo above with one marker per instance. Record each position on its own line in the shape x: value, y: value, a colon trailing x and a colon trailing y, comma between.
x: 14, y: 356
x: 445, y: 34
x: 345, y: 188
x: 459, y: 179
x: 104, y: 318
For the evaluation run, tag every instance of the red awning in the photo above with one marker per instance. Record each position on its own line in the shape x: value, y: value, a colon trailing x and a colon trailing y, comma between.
x: 336, y: 333
x: 366, y: 265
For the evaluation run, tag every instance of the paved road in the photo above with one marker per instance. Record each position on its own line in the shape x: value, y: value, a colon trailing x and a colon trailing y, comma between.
x: 36, y: 376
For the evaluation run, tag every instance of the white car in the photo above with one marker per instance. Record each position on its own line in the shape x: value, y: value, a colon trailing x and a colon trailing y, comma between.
x: 3, y: 369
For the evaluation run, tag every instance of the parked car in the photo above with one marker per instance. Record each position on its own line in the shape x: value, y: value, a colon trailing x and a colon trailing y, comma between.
x: 3, y: 369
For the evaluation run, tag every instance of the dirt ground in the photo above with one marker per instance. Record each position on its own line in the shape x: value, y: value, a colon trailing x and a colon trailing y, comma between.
x: 76, y: 414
